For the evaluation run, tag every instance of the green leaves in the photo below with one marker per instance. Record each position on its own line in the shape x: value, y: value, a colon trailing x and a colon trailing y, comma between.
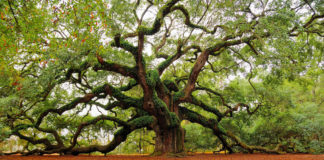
x: 199, y: 138
x: 267, y: 53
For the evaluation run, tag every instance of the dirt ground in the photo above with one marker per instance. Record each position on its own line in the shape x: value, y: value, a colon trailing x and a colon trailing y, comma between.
x: 192, y: 157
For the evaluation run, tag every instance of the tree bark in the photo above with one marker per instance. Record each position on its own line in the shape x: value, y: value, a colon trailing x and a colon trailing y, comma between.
x: 169, y: 141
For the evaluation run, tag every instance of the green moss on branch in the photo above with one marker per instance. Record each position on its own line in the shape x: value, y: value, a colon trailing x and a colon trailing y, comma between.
x: 166, y: 63
x: 152, y: 78
x: 171, y: 85
x: 163, y: 11
x: 126, y: 100
x: 129, y: 86
x: 98, y: 90
x: 207, y: 107
x: 195, y: 117
x: 126, y: 46
x: 141, y: 121
x: 178, y: 95
x: 159, y: 104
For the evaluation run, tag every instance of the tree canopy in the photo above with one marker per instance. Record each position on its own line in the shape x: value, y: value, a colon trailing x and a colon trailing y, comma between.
x: 72, y: 70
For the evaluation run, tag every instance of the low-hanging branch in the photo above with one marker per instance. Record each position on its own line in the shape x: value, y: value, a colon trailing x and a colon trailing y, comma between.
x: 119, y: 136
x: 66, y: 107
x: 94, y: 121
x: 106, y: 89
x: 219, y: 130
x: 34, y: 141
x: 16, y: 131
x: 122, y: 133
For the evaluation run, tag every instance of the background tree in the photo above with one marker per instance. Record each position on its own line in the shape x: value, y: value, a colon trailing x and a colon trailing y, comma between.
x: 147, y: 64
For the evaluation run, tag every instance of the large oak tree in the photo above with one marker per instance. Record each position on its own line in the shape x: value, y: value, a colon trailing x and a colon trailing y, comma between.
x: 162, y: 61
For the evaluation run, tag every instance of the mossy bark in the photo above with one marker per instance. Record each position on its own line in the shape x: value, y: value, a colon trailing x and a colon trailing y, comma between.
x: 169, y: 138
x: 169, y: 141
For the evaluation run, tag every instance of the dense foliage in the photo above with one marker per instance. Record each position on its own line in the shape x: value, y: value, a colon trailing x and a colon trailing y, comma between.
x: 83, y: 76
x: 293, y: 119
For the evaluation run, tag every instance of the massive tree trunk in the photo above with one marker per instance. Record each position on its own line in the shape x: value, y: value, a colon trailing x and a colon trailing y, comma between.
x: 170, y: 135
x: 169, y: 141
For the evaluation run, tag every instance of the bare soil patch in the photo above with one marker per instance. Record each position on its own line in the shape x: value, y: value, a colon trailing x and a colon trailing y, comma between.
x: 192, y: 157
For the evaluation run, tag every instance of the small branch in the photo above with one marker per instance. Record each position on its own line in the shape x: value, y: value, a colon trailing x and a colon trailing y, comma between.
x: 13, y: 13
x: 215, y: 93
x: 237, y: 106
x: 146, y: 9
x: 162, y: 66
x: 190, y: 24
